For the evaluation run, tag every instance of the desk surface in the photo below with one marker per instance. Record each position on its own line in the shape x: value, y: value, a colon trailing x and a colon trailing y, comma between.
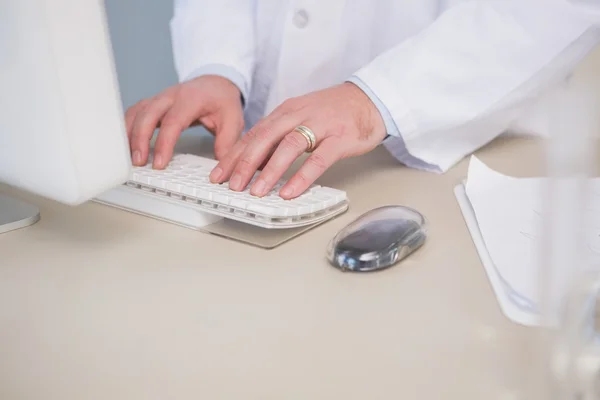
x: 97, y: 303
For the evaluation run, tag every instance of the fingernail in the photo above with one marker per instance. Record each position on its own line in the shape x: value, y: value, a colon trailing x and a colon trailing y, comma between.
x: 236, y: 182
x: 137, y: 157
x: 215, y: 175
x: 286, y: 191
x: 259, y: 187
x: 158, y: 161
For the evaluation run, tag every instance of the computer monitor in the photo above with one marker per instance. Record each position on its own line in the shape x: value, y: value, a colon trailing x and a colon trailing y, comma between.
x: 62, y: 131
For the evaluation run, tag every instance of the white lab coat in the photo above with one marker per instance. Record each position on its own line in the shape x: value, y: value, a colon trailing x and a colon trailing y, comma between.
x: 450, y: 75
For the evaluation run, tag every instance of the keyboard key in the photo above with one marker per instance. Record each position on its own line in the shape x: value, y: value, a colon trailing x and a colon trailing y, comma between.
x: 262, y: 209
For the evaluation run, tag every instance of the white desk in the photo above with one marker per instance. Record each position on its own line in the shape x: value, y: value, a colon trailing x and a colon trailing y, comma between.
x: 96, y: 303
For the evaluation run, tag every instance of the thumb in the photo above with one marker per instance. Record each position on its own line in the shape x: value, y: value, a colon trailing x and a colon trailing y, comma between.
x: 229, y: 129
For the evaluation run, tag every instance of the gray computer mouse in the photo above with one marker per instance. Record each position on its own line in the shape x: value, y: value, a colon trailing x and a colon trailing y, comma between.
x: 378, y: 239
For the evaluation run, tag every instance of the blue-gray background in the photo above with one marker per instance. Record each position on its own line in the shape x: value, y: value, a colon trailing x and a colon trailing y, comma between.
x: 141, y: 41
x: 142, y: 44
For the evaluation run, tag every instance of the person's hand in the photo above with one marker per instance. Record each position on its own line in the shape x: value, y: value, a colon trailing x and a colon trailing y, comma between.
x: 210, y: 100
x: 343, y: 119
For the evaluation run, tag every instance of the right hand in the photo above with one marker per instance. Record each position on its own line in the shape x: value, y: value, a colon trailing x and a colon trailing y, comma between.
x: 209, y: 100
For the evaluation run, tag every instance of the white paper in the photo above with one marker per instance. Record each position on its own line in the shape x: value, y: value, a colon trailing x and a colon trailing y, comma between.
x: 509, y: 307
x: 508, y: 212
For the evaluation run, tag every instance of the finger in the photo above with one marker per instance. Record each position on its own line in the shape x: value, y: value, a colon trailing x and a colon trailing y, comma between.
x: 224, y: 168
x: 179, y: 117
x: 267, y: 159
x: 218, y: 174
x: 266, y: 137
x: 292, y: 146
x: 231, y: 125
x: 145, y: 123
x: 131, y: 113
x: 328, y: 152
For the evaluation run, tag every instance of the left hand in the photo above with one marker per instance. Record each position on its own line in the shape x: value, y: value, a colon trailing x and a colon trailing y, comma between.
x: 343, y: 119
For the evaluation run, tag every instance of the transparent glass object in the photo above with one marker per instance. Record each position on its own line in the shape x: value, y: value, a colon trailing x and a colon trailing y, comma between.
x: 569, y: 351
x: 378, y: 239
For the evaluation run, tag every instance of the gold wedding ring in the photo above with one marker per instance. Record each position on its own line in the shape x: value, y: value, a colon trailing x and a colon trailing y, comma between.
x: 309, y: 136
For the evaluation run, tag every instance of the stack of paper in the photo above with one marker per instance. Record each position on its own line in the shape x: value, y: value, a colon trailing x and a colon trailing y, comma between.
x: 504, y: 216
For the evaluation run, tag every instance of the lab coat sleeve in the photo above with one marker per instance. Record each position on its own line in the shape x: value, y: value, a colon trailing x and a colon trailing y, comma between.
x: 466, y: 78
x: 393, y: 141
x: 216, y: 38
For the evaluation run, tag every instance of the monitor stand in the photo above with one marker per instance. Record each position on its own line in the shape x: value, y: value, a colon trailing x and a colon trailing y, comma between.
x: 15, y: 214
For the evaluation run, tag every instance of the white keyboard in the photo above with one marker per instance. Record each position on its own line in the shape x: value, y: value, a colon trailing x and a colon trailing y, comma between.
x: 183, y: 194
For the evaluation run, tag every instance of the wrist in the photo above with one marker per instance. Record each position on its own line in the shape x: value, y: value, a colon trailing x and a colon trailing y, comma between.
x: 226, y: 72
x: 371, y: 121
x: 390, y: 124
x: 221, y: 86
x: 226, y: 83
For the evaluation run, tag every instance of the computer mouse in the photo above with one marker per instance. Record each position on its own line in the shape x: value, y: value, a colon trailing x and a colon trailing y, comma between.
x: 378, y: 239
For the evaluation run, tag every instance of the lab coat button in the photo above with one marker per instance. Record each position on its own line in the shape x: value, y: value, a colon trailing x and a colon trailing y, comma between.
x: 301, y: 18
